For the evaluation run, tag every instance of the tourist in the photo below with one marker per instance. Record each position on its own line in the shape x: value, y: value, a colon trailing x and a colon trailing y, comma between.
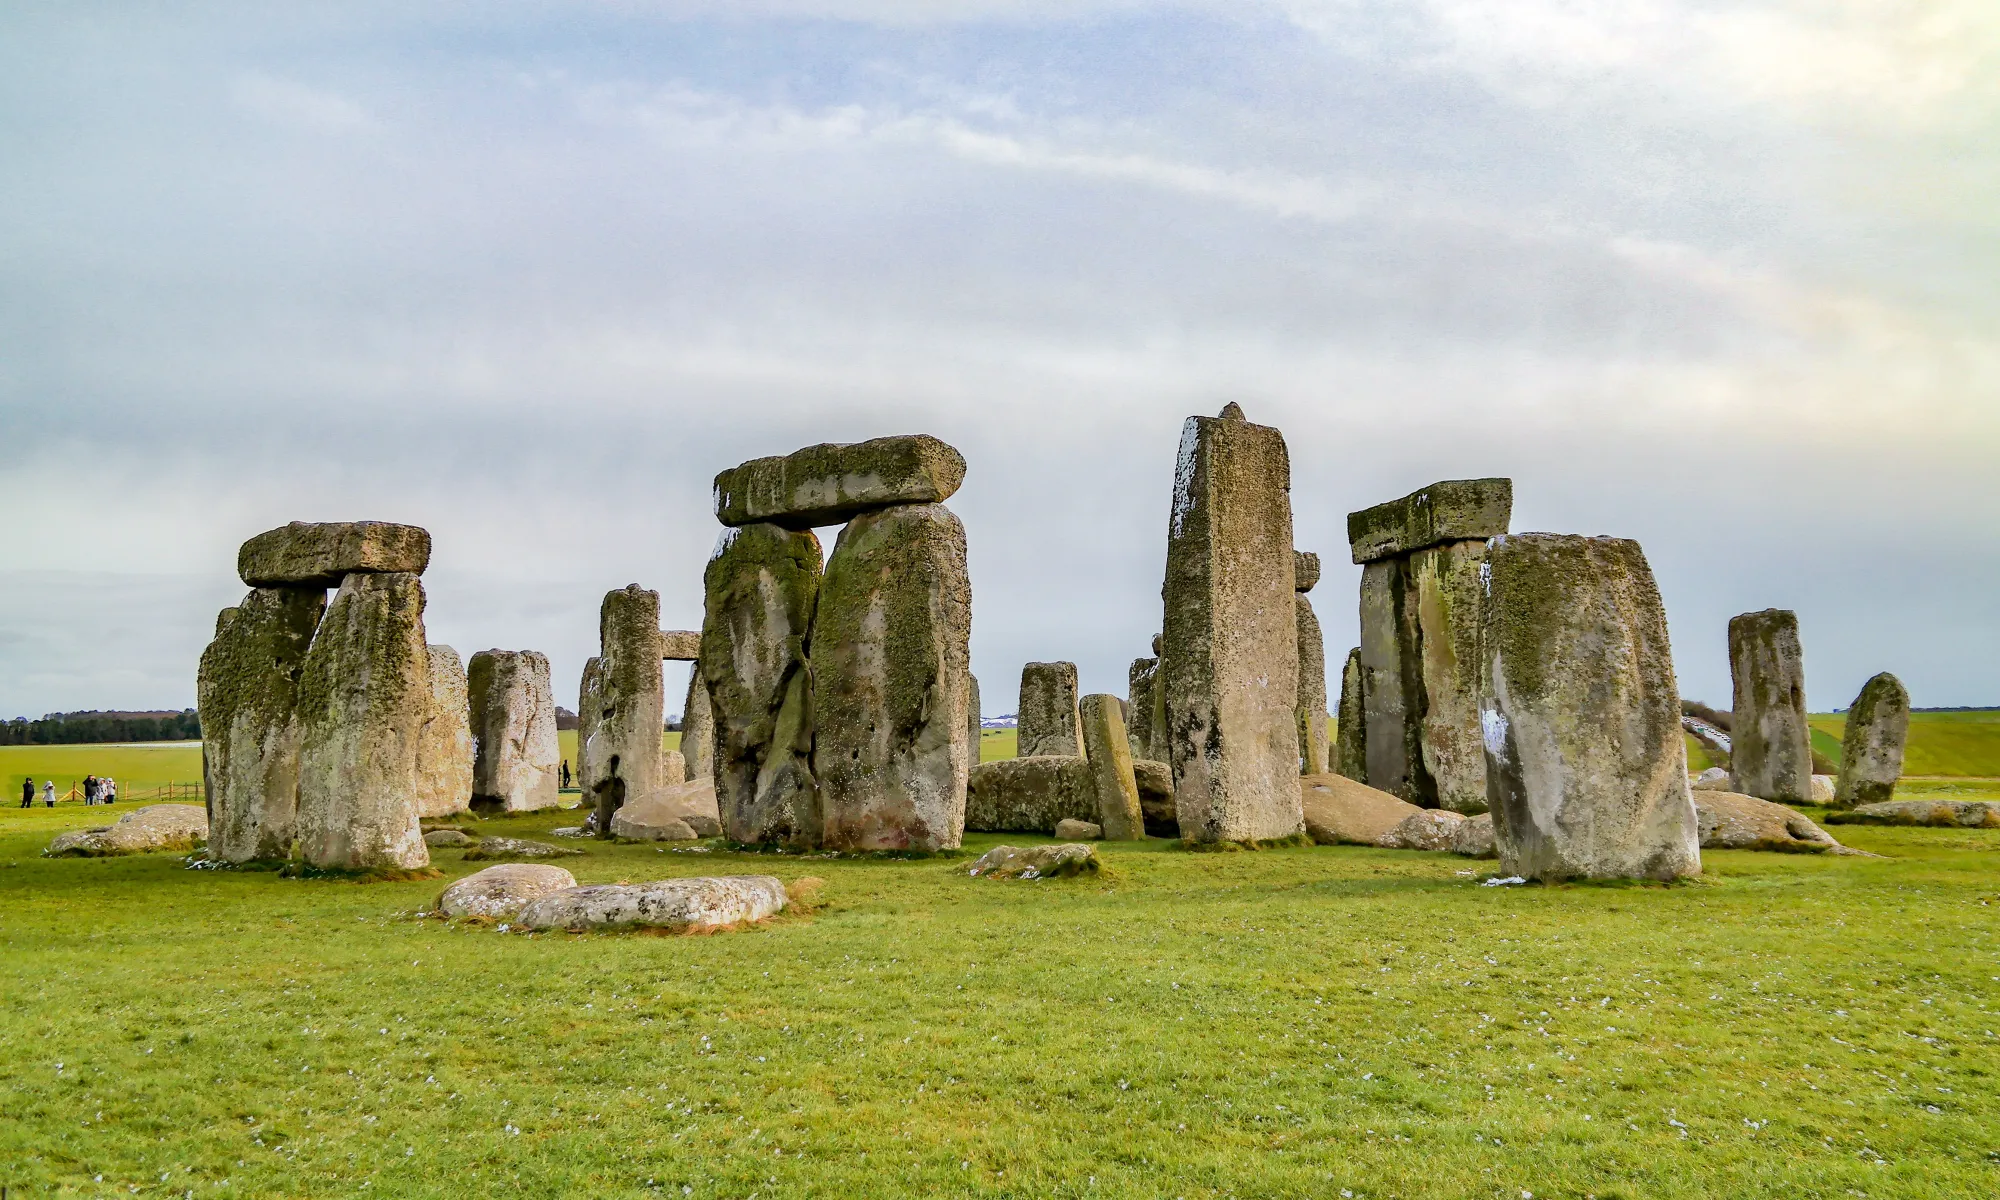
x: 107, y: 790
x: 49, y: 794
x: 565, y: 772
x: 90, y: 791
x: 27, y: 792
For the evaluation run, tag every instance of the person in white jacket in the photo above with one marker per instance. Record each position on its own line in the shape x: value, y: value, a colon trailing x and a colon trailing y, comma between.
x: 49, y: 794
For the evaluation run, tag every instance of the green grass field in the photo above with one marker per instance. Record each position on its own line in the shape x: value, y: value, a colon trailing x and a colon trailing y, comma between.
x: 1286, y: 1023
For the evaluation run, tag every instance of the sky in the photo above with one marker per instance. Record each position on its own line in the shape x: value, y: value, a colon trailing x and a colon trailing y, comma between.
x: 1720, y: 277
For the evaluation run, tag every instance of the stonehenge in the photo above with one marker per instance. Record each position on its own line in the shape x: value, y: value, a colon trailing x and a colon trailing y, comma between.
x: 1109, y: 757
x: 1418, y: 691
x: 1586, y: 770
x: 1230, y: 655
x: 248, y: 692
x: 516, y: 755
x: 1350, y: 749
x: 444, y: 756
x: 1047, y: 713
x: 1140, y: 683
x: 621, y: 758
x: 303, y: 555
x: 697, y: 729
x: 841, y: 692
x: 1871, y: 748
x: 1312, y: 671
x: 1770, y: 744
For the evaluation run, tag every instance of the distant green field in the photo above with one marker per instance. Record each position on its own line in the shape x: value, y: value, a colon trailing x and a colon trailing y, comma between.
x: 143, y: 771
x: 1945, y: 743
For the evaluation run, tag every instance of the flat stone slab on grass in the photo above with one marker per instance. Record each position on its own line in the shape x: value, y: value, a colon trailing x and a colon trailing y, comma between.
x: 1340, y: 811
x: 1946, y: 814
x: 507, y: 847
x: 1734, y: 821
x: 441, y: 838
x: 156, y: 827
x: 679, y: 905
x: 1036, y: 862
x: 303, y: 554
x: 500, y: 891
x: 1425, y: 829
x: 832, y: 482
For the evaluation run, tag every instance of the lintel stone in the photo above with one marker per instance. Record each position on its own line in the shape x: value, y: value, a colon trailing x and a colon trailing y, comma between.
x: 1454, y: 510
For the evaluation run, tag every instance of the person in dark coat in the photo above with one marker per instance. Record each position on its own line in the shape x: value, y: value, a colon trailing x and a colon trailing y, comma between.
x: 27, y: 793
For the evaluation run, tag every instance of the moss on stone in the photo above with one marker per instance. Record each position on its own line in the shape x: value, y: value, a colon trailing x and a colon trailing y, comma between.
x: 1448, y: 511
x: 832, y: 482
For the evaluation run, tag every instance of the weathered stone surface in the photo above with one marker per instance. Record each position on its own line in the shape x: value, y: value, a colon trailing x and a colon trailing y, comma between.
x: 763, y: 585
x: 589, y: 703
x: 1156, y: 797
x: 1109, y: 758
x: 680, y: 645
x: 1048, y: 711
x: 1339, y: 810
x: 1305, y: 571
x: 499, y: 892
x: 680, y: 905
x: 1229, y: 671
x: 1140, y: 682
x: 831, y: 483
x: 1770, y: 743
x: 516, y: 760
x: 1456, y: 510
x: 1350, y: 747
x: 176, y: 827
x: 363, y: 699
x: 509, y: 847
x: 1871, y: 756
x: 662, y: 816
x: 444, y: 756
x: 1029, y: 795
x: 1474, y: 838
x: 972, y: 720
x: 891, y: 682
x: 1070, y: 829
x: 305, y: 555
x: 1445, y: 591
x: 1392, y: 684
x: 1733, y: 821
x: 248, y: 692
x: 1313, y: 747
x: 1036, y: 862
x: 1823, y: 789
x: 630, y: 711
x: 446, y: 839
x: 1586, y: 768
x: 697, y: 729
x: 1961, y: 814
x: 1425, y: 829
x: 1714, y: 779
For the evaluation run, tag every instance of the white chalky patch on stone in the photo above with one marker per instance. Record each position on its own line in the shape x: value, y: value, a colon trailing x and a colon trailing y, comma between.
x: 1494, y: 725
x: 723, y: 543
x: 1184, y: 473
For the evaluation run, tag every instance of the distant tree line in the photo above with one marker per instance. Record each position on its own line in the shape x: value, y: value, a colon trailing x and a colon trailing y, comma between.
x: 68, y: 729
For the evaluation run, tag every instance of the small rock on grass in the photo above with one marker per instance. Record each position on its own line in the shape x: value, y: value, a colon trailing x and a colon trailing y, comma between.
x: 1036, y: 862
x: 507, y: 847
x: 1426, y: 829
x: 437, y: 838
x: 500, y: 891
x: 1072, y: 830
x: 1474, y: 837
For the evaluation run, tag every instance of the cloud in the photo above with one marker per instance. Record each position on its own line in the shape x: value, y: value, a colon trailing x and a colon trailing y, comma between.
x: 295, y: 105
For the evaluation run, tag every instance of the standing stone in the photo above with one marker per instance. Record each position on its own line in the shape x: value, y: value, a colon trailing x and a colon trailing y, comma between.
x: 830, y: 483
x: 1230, y: 670
x: 1109, y: 757
x: 589, y: 707
x: 1586, y: 769
x: 304, y: 555
x: 1445, y: 588
x: 444, y: 756
x: 762, y: 586
x: 698, y: 728
x: 363, y: 700
x: 625, y: 738
x: 248, y: 691
x: 891, y: 679
x: 1391, y: 684
x: 1140, y: 682
x: 972, y: 718
x: 1350, y: 751
x: 1771, y: 744
x: 1312, y: 691
x: 516, y: 758
x: 1871, y: 757
x: 1048, y: 710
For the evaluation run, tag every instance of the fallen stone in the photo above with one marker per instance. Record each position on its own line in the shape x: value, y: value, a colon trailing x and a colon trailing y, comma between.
x: 1079, y: 831
x: 1350, y: 745
x: 831, y: 483
x: 364, y: 697
x: 1036, y: 862
x: 1311, y: 704
x: 629, y: 705
x: 679, y: 905
x: 1949, y: 814
x: 1456, y: 510
x: 1586, y: 766
x: 762, y: 585
x: 509, y: 847
x: 516, y: 756
x: 1047, y: 712
x: 1108, y: 757
x: 247, y: 689
x: 1445, y: 591
x: 302, y: 555
x: 1770, y: 744
x: 672, y: 814
x: 1733, y: 821
x: 1715, y: 779
x: 1030, y: 795
x: 891, y: 682
x: 499, y: 892
x: 1474, y: 837
x: 439, y: 839
x: 176, y: 827
x: 680, y: 645
x: 1823, y: 789
x: 1305, y: 571
x: 1230, y: 667
x: 444, y: 756
x: 1425, y: 829
x: 1342, y: 811
x: 1156, y: 797
x: 1871, y: 757
x: 569, y: 831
